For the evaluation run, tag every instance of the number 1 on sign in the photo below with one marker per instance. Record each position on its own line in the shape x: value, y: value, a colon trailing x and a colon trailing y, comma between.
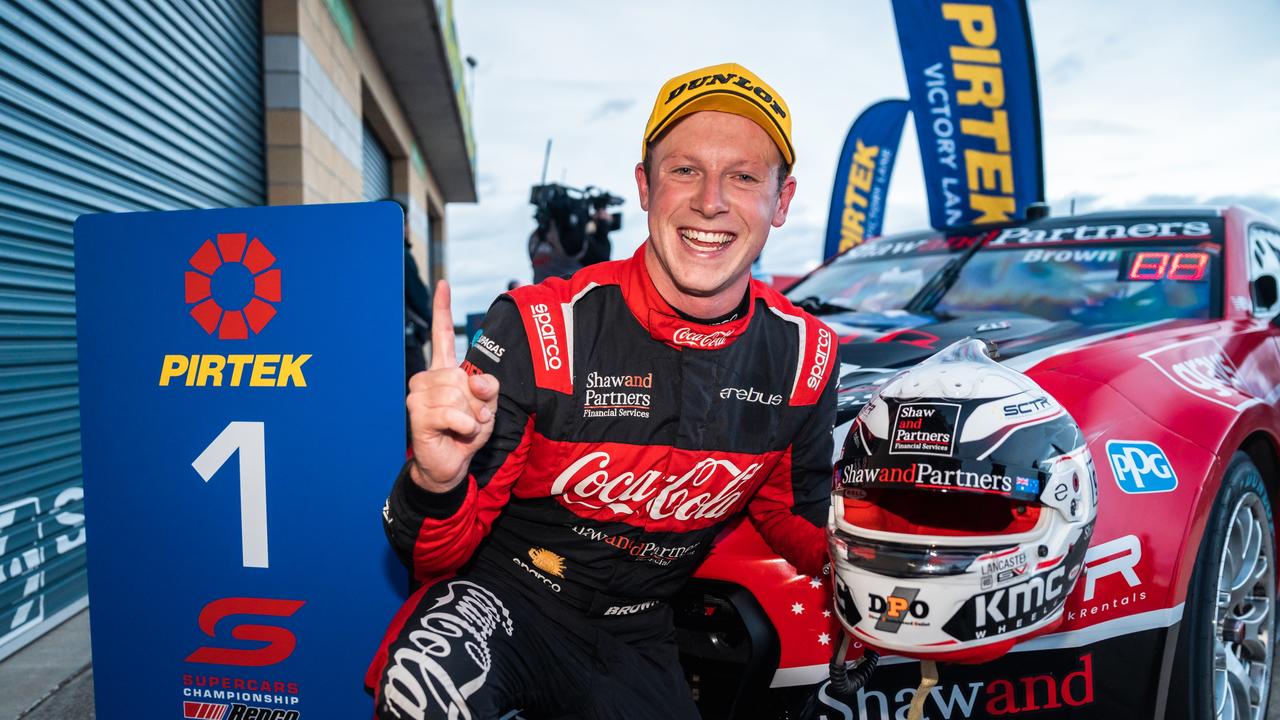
x: 247, y: 437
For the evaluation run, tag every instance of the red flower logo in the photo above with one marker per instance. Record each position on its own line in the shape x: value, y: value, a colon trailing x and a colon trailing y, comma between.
x: 233, y: 288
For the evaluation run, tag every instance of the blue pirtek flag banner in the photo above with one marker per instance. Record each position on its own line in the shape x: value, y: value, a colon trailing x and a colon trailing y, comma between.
x: 862, y: 177
x: 971, y: 71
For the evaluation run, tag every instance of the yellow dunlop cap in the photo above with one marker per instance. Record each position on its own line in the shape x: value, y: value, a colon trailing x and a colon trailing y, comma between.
x: 728, y: 88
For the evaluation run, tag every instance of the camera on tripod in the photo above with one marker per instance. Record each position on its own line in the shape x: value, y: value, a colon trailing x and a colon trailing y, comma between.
x: 572, y: 208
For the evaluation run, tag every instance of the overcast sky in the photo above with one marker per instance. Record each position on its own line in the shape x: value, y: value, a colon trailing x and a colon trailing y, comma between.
x: 1142, y: 102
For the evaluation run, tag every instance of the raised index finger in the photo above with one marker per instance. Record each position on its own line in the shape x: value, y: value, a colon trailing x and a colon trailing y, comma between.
x: 442, y: 351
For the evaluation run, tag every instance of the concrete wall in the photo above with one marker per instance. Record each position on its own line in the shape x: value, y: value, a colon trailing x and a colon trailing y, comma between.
x: 322, y: 81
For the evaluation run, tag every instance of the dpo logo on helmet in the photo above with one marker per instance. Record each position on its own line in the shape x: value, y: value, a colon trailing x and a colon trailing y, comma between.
x: 900, y: 604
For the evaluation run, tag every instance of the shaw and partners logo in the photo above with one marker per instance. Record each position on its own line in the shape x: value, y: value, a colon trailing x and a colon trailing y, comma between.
x: 232, y: 287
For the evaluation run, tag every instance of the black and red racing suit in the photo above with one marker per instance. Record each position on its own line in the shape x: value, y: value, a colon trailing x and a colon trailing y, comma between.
x: 626, y: 437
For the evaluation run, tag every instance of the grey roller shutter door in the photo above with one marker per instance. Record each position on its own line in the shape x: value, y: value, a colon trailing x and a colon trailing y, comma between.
x: 375, y: 167
x: 105, y: 105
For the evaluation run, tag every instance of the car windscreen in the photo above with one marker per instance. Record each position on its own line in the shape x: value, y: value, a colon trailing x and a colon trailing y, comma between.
x: 875, y: 277
x: 1102, y: 284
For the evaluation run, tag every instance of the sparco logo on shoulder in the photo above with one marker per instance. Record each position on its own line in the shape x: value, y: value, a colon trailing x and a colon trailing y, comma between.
x: 547, y: 337
x: 588, y: 483
x: 819, y: 359
x: 705, y: 341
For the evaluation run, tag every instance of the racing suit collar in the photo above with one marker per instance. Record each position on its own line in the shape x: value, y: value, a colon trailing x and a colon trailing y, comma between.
x: 664, y: 323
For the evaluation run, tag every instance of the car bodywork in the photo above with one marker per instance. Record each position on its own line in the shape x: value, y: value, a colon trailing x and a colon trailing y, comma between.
x: 1164, y: 404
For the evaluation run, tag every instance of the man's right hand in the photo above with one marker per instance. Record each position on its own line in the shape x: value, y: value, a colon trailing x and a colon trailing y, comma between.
x: 450, y: 412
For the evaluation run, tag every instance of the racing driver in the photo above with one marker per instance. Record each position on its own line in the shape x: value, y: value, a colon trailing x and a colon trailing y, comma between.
x: 570, y: 475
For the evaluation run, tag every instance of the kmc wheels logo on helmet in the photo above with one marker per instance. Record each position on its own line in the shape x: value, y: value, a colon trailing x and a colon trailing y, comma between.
x: 233, y: 287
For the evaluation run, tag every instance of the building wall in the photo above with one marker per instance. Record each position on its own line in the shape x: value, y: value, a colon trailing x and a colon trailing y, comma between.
x: 321, y: 81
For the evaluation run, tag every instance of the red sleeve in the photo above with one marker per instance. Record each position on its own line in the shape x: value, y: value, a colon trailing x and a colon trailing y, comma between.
x: 790, y: 508
x: 435, y: 533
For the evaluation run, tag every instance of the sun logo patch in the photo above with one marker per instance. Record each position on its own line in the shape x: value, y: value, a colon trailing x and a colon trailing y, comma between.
x: 547, y: 561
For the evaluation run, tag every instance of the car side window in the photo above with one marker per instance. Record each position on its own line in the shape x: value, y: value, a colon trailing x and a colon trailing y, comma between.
x: 1263, y: 245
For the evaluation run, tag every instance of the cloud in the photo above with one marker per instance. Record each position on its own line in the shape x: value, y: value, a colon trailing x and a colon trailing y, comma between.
x: 487, y: 184
x: 1265, y: 204
x: 1094, y: 126
x: 1066, y: 69
x: 616, y: 106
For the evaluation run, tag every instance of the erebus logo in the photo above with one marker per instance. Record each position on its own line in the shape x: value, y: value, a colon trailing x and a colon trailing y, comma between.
x: 702, y: 341
x: 750, y: 395
x: 541, y: 316
x: 820, y: 359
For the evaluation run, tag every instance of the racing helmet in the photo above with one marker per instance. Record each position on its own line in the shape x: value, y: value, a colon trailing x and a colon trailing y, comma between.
x: 962, y: 506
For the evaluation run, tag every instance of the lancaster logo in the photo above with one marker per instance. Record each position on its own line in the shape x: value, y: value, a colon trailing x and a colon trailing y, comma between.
x: 550, y: 343
x: 1002, y: 567
x: 710, y: 489
x: 232, y: 287
x: 729, y: 79
x: 702, y: 341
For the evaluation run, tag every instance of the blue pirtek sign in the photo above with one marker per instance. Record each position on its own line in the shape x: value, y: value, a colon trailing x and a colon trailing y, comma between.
x: 242, y: 412
x: 862, y: 177
x: 971, y: 71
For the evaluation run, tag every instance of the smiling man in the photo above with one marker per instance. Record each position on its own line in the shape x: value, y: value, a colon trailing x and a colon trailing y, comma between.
x: 569, y: 477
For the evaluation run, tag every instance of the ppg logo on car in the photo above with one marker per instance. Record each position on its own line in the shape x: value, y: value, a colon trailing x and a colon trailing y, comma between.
x: 1140, y: 467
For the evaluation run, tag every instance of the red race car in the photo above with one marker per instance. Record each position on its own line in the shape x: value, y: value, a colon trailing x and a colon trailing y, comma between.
x: 1158, y: 331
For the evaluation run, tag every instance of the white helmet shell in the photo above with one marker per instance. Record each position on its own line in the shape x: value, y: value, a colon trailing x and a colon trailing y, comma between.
x: 962, y: 507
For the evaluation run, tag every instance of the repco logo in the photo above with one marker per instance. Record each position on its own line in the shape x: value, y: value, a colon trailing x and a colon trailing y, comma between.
x: 819, y: 359
x: 547, y: 337
x: 705, y: 341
